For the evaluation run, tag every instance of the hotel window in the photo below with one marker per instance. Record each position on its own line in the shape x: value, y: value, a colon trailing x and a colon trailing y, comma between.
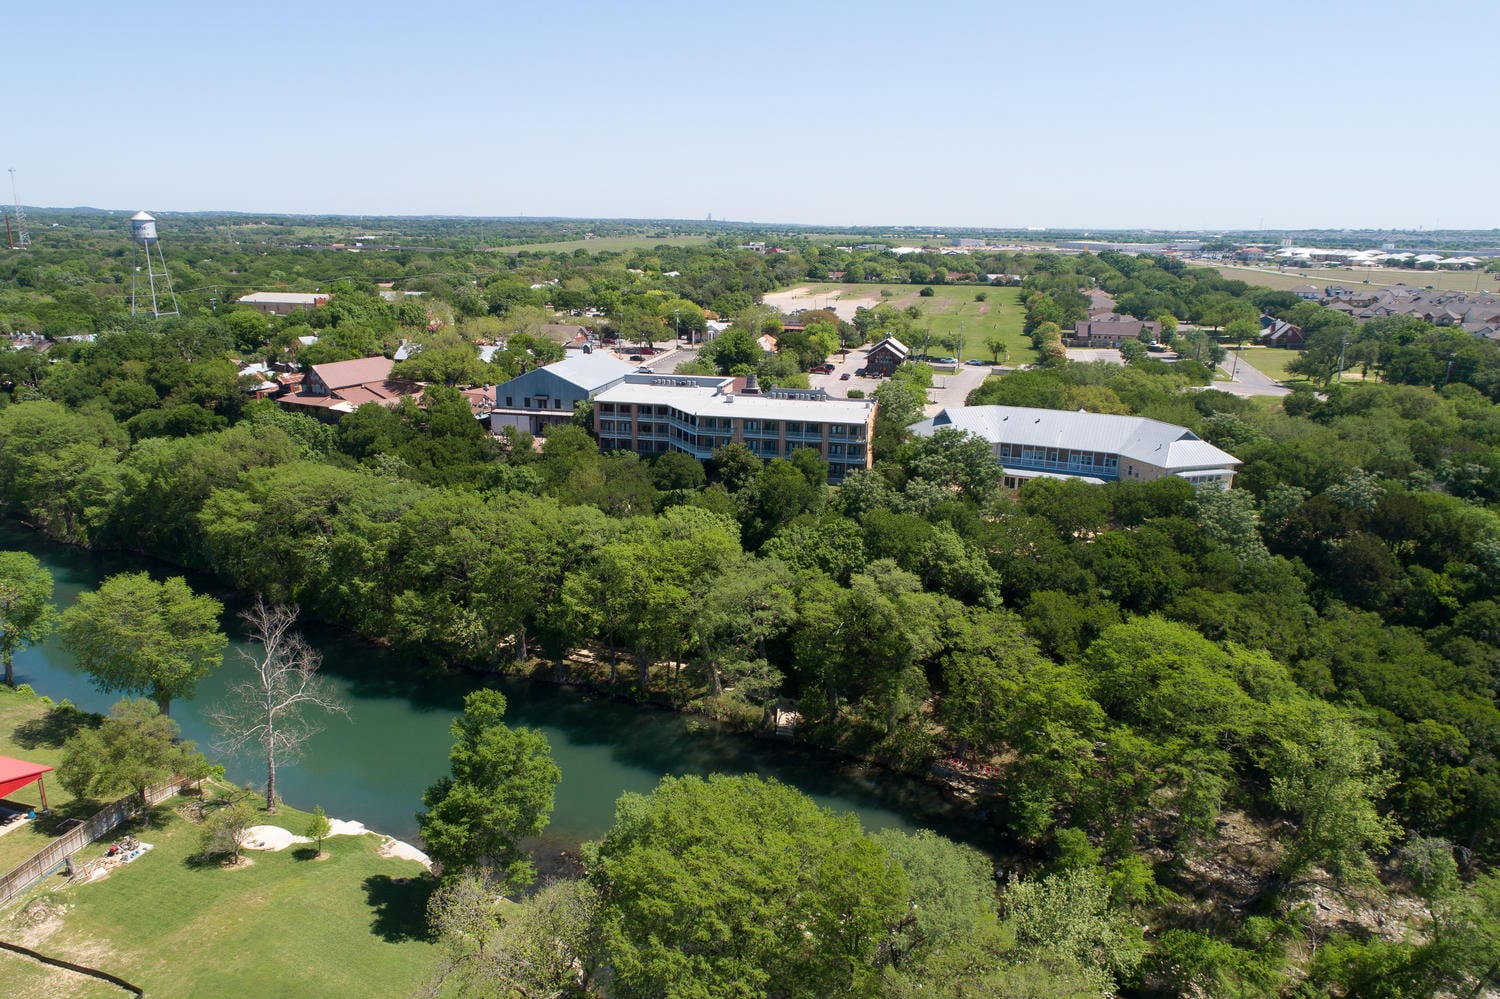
x: 526, y: 402
x: 770, y: 426
x: 836, y: 449
x: 557, y: 404
x: 751, y: 426
x: 510, y: 402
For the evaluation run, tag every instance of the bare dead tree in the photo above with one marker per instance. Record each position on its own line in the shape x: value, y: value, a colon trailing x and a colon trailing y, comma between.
x: 268, y: 709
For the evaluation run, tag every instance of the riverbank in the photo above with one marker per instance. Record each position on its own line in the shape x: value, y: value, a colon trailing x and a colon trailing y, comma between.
x: 175, y: 924
x: 375, y: 764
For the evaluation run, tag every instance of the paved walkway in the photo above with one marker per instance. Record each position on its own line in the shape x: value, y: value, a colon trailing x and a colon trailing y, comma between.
x: 1249, y: 380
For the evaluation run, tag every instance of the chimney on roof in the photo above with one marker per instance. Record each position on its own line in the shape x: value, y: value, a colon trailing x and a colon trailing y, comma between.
x: 752, y: 385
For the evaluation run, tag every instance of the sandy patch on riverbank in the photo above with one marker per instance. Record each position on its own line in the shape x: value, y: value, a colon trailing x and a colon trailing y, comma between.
x: 276, y: 838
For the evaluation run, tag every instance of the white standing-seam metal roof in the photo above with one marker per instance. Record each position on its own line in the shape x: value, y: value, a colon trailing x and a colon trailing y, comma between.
x: 1153, y: 442
x: 284, y: 297
x: 703, y: 398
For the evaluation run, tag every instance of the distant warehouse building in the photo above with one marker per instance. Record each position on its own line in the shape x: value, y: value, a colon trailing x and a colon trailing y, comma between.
x: 1093, y: 447
x: 282, y: 303
x: 653, y: 414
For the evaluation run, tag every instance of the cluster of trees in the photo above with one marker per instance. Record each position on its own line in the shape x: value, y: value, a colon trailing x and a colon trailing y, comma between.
x: 1315, y: 649
x: 739, y: 886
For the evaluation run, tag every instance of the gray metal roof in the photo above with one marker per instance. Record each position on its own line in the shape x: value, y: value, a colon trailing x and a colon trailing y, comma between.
x: 1153, y: 442
x: 588, y: 373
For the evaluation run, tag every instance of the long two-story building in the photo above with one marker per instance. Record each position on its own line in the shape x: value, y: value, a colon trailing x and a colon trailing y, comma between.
x: 1094, y: 447
x: 653, y: 414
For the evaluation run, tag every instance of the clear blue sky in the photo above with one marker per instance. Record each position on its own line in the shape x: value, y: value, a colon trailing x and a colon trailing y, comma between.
x: 929, y: 112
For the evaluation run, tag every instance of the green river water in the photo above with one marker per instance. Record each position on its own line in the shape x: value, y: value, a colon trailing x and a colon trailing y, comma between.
x: 374, y: 765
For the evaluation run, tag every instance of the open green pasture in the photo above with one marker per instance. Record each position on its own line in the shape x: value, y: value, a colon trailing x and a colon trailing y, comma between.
x: 950, y: 309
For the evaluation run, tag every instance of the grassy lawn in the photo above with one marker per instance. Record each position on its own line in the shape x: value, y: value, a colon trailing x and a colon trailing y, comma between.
x: 25, y: 977
x: 949, y: 309
x: 287, y: 924
x: 1469, y: 281
x: 1271, y: 362
x: 31, y: 729
x: 351, y: 924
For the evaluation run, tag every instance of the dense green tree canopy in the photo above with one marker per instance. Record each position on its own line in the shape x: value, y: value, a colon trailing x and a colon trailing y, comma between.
x: 139, y: 636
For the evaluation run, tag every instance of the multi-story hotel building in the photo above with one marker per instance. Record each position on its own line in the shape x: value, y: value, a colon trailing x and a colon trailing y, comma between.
x: 1093, y: 447
x: 652, y: 414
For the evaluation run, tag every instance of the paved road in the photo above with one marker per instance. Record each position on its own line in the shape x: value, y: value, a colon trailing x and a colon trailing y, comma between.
x: 1248, y: 380
x: 1086, y: 354
x: 952, y: 390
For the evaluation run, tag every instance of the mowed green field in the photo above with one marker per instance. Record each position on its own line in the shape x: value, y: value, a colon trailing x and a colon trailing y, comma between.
x: 1296, y: 277
x: 31, y: 730
x: 1271, y: 362
x: 351, y: 924
x: 950, y: 309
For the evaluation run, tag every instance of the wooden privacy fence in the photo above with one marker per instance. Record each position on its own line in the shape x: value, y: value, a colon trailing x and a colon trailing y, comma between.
x: 75, y: 839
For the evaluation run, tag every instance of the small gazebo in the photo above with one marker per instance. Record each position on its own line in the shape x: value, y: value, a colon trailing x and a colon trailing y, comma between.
x: 16, y: 774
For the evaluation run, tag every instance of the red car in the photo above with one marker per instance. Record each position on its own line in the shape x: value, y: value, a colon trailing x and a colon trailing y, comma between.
x: 822, y: 369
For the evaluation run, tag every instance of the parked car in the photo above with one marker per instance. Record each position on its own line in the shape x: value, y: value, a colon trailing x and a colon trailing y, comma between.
x: 977, y: 363
x: 822, y: 369
x: 862, y: 371
x: 645, y: 369
x: 637, y: 358
x: 844, y: 377
x: 649, y: 350
x: 947, y: 360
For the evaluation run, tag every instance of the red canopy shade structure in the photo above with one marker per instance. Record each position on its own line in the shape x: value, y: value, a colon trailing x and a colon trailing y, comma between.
x: 16, y: 774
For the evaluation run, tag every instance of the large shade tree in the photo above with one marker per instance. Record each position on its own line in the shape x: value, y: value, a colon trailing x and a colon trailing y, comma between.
x: 26, y: 611
x: 500, y: 789
x: 135, y: 747
x: 736, y: 886
x: 137, y: 636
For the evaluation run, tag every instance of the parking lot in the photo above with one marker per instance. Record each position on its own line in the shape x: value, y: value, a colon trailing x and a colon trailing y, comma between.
x: 948, y: 389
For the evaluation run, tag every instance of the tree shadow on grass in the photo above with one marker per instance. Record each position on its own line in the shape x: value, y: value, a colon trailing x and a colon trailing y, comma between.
x: 400, y: 907
x: 54, y: 728
x: 310, y: 853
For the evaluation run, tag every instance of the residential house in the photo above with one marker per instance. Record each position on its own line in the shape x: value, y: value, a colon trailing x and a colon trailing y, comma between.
x: 1281, y: 333
x: 694, y: 414
x: 1111, y: 330
x: 329, y: 391
x: 1092, y: 447
x: 885, y: 357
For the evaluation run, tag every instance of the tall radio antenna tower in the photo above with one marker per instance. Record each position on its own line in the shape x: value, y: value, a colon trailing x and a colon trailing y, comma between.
x: 143, y: 234
x: 20, y: 239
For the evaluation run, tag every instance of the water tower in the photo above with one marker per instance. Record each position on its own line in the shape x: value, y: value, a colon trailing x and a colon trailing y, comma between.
x: 143, y: 234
